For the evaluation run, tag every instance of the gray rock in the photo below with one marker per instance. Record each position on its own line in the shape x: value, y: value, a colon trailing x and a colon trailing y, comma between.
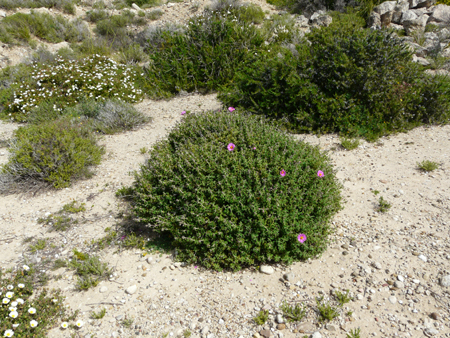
x: 429, y: 332
x: 103, y: 289
x: 319, y: 18
x: 136, y: 7
x: 316, y: 334
x: 279, y: 319
x: 267, y: 269
x: 399, y: 9
x: 408, y: 15
x: 422, y: 3
x: 377, y: 265
x: 302, y: 21
x: 386, y: 11
x: 422, y: 257
x: 288, y: 276
x: 132, y: 289
x: 392, y: 299
x: 418, y: 24
x: 445, y: 281
x: 374, y: 20
x: 399, y: 285
x: 265, y: 333
x: 440, y: 13
x: 2, y: 14
x: 331, y: 327
x: 444, y: 34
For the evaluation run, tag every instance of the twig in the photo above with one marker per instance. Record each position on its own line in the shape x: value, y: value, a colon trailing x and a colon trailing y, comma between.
x: 7, y: 239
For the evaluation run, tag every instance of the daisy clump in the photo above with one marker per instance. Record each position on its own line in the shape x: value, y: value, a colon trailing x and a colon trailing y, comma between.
x: 226, y: 206
x: 66, y: 82
x: 26, y: 313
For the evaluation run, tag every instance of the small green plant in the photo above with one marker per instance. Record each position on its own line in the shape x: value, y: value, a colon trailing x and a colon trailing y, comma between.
x: 49, y: 154
x: 349, y: 313
x: 127, y: 322
x: 155, y: 14
x: 262, y: 317
x: 187, y: 333
x: 375, y: 192
x: 349, y: 144
x: 355, y: 333
x: 98, y: 315
x: 293, y: 313
x: 326, y: 311
x: 383, y: 205
x: 427, y: 165
x: 41, y: 244
x: 143, y: 150
x: 90, y: 270
x: 342, y: 297
x: 74, y: 207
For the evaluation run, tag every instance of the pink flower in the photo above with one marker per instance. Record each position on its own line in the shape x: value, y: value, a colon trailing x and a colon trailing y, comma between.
x: 254, y: 148
x: 231, y: 146
x: 183, y: 112
x: 283, y: 173
x: 320, y: 173
x: 231, y: 109
x: 301, y: 238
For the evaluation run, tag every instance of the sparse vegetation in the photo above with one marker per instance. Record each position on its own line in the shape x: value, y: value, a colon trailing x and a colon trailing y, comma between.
x: 383, y: 205
x: 293, y: 313
x: 427, y: 165
x: 326, y: 311
x: 342, y: 297
x: 349, y: 144
x: 262, y: 317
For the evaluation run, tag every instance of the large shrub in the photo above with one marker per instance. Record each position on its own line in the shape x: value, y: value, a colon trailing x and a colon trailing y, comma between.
x: 53, y: 153
x: 349, y: 80
x: 234, y: 190
x: 204, y: 55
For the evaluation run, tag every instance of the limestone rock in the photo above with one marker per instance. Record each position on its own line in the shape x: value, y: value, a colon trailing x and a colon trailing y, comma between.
x: 267, y: 269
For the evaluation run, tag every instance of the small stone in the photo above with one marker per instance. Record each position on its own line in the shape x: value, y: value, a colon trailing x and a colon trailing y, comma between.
x: 149, y: 260
x: 288, y: 276
x: 400, y: 278
x: 103, y: 289
x: 267, y: 269
x: 265, y: 333
x: 445, y: 281
x: 316, y: 334
x: 280, y: 319
x: 345, y: 246
x: 435, y: 315
x: 377, y: 265
x: 171, y: 267
x: 399, y: 285
x: 415, y: 253
x: 393, y: 299
x: 345, y: 253
x: 430, y: 332
x: 256, y: 335
x: 359, y: 296
x: 132, y: 289
x: 205, y: 330
x: 331, y: 327
x: 281, y: 326
x: 136, y: 7
x: 422, y: 257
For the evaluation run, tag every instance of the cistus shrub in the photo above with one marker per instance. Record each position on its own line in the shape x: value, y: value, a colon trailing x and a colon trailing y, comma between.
x: 49, y: 154
x: 360, y: 83
x: 234, y: 190
x: 68, y: 81
x: 204, y: 55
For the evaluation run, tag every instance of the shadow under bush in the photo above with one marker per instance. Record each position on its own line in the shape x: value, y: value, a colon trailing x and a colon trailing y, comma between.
x: 360, y: 83
x: 229, y: 208
x: 49, y: 154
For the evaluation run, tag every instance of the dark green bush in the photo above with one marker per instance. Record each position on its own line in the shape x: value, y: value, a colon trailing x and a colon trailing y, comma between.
x: 361, y: 83
x: 229, y: 209
x: 53, y: 153
x: 203, y: 56
x: 67, y: 6
x: 96, y: 15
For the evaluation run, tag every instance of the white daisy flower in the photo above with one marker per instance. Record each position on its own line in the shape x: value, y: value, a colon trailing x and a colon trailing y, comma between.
x: 64, y: 325
x: 79, y: 323
x: 32, y: 310
x: 9, y: 333
x: 33, y: 323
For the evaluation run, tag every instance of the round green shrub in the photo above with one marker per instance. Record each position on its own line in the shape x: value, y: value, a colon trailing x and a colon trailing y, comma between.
x: 53, y: 153
x: 232, y: 208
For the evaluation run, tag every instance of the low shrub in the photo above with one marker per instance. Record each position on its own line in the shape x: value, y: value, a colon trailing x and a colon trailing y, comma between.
x: 20, y: 27
x: 96, y: 15
x: 233, y: 190
x: 65, y: 82
x: 360, y: 83
x: 201, y: 57
x: 54, y: 153
x: 67, y: 6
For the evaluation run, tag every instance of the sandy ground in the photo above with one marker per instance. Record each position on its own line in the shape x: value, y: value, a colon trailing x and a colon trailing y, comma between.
x: 394, y: 264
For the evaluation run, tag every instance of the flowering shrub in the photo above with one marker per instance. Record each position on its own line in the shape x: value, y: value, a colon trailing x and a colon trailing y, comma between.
x: 25, y: 314
x: 65, y: 82
x: 233, y: 190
